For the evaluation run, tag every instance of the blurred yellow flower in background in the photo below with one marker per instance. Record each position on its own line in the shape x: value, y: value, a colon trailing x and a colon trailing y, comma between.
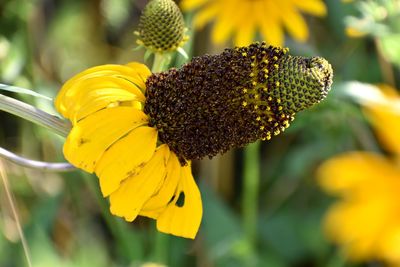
x: 384, y: 115
x: 243, y: 19
x: 366, y: 219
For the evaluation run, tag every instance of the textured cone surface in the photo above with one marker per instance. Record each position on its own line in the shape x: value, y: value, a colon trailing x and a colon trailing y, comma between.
x: 161, y: 26
x: 222, y: 101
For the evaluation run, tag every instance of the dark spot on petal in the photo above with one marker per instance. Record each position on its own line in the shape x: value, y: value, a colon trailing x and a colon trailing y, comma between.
x: 181, y: 200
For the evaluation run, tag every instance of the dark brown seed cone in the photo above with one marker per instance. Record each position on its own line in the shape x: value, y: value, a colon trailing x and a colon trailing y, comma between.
x: 218, y: 102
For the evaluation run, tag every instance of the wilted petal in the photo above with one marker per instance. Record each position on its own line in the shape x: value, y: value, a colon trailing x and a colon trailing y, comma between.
x: 157, y: 203
x: 125, y: 158
x: 134, y: 191
x: 182, y: 216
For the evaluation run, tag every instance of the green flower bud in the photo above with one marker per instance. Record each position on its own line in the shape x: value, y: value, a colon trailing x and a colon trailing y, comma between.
x: 161, y: 27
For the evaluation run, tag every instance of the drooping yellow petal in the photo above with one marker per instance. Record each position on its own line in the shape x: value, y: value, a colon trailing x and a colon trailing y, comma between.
x: 122, y: 77
x: 134, y: 191
x: 182, y: 216
x: 102, y: 98
x: 136, y: 73
x: 86, y: 90
x: 142, y: 70
x: 314, y: 7
x: 125, y: 158
x: 294, y: 22
x: 157, y: 203
x: 92, y: 136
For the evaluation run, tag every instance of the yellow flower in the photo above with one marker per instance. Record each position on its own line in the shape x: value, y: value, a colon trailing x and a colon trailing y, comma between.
x: 384, y: 116
x: 138, y: 132
x: 366, y: 219
x: 111, y: 137
x: 242, y: 18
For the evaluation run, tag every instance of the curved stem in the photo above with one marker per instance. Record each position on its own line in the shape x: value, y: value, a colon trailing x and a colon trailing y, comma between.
x: 38, y: 116
x: 45, y: 166
x: 35, y: 115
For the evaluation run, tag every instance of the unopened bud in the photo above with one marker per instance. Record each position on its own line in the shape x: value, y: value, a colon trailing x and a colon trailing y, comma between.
x: 161, y: 27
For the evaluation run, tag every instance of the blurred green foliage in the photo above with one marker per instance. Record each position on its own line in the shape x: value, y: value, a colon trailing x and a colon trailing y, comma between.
x: 65, y: 219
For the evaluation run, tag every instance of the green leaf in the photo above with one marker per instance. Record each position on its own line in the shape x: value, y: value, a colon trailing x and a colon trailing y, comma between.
x: 223, y: 235
x: 20, y: 90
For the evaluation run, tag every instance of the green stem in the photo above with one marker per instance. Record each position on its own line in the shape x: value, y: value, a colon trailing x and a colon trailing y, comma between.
x: 19, y: 90
x: 251, y: 176
x: 35, y: 115
x: 160, y: 63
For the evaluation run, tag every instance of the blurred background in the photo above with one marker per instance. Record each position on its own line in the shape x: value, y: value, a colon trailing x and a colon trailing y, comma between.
x: 66, y: 221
